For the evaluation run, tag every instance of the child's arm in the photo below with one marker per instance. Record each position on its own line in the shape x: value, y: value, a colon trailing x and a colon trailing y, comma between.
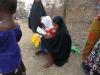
x: 2, y: 38
x: 18, y: 32
x: 50, y: 33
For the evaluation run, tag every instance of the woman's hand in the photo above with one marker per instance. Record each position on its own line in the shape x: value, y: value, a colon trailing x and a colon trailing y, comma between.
x: 85, y: 61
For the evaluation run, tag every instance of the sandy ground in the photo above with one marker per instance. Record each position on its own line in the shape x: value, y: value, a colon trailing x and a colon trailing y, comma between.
x: 34, y: 64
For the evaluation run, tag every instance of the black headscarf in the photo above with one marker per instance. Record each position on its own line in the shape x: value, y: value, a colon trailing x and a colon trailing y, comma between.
x: 37, y: 11
x: 60, y: 22
x: 60, y: 46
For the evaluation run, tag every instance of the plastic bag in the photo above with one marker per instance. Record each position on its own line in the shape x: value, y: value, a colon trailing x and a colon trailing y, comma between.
x: 36, y: 40
x: 75, y: 50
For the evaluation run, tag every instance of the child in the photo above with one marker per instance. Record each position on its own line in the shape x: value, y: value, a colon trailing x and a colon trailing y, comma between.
x: 49, y: 30
x: 10, y: 56
x: 48, y: 26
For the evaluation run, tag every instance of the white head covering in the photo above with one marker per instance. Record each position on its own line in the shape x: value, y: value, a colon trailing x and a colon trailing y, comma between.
x: 47, y: 21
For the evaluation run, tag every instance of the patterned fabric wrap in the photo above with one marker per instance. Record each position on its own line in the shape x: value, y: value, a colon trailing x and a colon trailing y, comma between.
x: 93, y: 37
x: 94, y: 60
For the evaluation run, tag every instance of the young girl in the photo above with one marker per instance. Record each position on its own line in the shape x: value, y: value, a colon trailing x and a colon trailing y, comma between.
x: 49, y: 29
x: 10, y: 56
x: 48, y: 26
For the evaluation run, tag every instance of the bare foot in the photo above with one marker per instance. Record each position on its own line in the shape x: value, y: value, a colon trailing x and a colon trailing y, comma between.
x: 48, y: 64
x: 38, y: 53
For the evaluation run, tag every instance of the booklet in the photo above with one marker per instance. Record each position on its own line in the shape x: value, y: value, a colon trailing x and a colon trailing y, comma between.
x: 40, y: 31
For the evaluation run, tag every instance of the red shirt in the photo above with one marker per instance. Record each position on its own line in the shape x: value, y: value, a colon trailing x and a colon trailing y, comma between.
x: 51, y: 32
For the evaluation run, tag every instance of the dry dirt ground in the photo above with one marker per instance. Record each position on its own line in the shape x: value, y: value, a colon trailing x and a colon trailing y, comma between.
x: 34, y: 64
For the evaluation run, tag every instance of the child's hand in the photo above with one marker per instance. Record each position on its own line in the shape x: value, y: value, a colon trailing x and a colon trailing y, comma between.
x: 54, y: 30
x: 48, y: 36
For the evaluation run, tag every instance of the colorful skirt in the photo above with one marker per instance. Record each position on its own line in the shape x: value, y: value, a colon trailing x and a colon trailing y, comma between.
x: 93, y: 37
x: 92, y: 67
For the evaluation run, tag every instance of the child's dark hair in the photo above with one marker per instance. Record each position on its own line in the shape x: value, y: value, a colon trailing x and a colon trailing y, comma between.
x: 8, y: 6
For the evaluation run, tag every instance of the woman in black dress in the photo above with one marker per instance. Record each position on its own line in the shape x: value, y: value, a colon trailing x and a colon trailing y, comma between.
x: 37, y: 11
x: 59, y: 48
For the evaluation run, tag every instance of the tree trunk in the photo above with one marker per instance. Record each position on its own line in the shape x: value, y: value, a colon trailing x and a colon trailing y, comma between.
x: 65, y: 8
x: 53, y: 8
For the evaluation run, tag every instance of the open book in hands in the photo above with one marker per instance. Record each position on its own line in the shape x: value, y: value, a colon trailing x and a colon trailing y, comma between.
x: 40, y: 31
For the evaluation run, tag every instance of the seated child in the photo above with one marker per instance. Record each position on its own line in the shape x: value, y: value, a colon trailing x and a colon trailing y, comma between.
x: 47, y: 31
x: 48, y: 26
